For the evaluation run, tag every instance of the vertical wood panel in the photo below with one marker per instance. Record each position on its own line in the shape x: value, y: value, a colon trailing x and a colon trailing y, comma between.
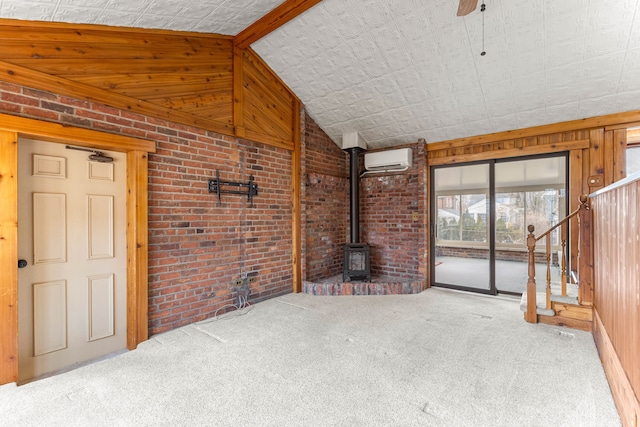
x: 608, y: 155
x: 596, y: 156
x: 623, y: 395
x: 137, y: 249
x: 586, y: 171
x: 575, y: 189
x: 238, y: 93
x: 8, y: 257
x: 616, y: 252
x: 619, y: 154
x: 585, y: 256
x: 296, y: 211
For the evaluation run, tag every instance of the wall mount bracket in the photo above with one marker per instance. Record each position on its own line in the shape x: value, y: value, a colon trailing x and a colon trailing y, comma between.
x: 249, y: 189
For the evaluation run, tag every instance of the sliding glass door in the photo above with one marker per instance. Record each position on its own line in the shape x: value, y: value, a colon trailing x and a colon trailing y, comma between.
x: 462, y: 255
x: 530, y: 191
x: 480, y: 214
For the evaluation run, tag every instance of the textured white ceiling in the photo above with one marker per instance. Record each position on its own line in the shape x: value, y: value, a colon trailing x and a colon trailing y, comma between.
x: 400, y: 70
x: 206, y: 16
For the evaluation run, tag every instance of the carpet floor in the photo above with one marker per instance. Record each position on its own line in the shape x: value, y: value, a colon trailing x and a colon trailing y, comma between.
x: 438, y: 358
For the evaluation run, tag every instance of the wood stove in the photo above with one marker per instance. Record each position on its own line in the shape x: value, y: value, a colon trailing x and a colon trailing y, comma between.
x: 356, y: 264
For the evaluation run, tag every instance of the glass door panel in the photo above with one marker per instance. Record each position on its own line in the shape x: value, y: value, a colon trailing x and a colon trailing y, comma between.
x: 527, y: 192
x: 462, y: 212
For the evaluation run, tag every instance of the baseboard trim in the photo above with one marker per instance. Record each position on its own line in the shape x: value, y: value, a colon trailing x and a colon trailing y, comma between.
x: 623, y: 394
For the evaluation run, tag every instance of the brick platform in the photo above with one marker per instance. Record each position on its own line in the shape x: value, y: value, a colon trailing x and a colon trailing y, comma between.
x: 378, y: 286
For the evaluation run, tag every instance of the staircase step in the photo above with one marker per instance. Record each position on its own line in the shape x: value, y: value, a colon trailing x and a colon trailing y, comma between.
x: 541, y: 303
x: 565, y: 300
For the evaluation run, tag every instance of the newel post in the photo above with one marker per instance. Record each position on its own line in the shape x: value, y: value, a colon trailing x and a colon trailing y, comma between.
x: 531, y: 315
x: 585, y: 252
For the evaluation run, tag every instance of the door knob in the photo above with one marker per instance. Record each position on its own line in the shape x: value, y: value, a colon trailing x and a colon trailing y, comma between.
x: 22, y: 263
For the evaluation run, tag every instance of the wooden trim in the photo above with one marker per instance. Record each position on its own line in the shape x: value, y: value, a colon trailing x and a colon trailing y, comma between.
x: 137, y: 222
x: 30, y: 78
x: 592, y: 122
x: 273, y: 20
x: 623, y: 394
x: 8, y: 257
x: 137, y: 249
x: 633, y: 137
x: 296, y: 211
x: 511, y: 152
x: 54, y: 132
x: 238, y: 92
x: 623, y: 126
x: 575, y: 190
x: 23, y: 25
x: 268, y: 139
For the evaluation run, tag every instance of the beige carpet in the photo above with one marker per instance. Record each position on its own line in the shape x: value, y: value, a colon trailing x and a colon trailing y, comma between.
x: 439, y: 358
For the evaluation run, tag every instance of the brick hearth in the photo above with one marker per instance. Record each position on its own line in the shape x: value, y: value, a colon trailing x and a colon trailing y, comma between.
x: 378, y: 286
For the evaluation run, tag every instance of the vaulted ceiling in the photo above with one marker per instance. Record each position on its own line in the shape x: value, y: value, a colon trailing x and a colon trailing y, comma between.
x: 397, y: 71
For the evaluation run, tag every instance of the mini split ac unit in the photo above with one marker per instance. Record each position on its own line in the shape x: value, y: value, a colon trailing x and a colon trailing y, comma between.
x: 388, y: 160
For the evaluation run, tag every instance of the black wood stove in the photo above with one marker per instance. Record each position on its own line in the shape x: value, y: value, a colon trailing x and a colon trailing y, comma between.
x: 356, y: 255
x: 356, y: 262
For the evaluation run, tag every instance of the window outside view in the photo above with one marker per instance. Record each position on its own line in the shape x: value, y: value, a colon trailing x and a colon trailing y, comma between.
x: 633, y: 159
x: 463, y: 217
x: 526, y: 192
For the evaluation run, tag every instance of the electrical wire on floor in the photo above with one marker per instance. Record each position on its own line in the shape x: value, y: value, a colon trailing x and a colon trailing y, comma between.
x: 243, y: 302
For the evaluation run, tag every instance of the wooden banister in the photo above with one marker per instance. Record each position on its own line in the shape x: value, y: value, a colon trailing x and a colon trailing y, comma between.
x: 531, y: 315
x: 585, y: 263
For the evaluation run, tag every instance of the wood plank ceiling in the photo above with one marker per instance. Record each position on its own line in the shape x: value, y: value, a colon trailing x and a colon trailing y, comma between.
x: 211, y: 81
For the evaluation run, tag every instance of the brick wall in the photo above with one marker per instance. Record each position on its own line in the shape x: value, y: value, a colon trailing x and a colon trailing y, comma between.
x: 392, y: 216
x: 196, y: 248
x: 326, y: 203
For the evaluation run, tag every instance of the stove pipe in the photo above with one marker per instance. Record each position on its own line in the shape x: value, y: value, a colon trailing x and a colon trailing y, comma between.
x: 354, y: 199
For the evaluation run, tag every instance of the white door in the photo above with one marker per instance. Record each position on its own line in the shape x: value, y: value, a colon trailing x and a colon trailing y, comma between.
x: 71, y: 233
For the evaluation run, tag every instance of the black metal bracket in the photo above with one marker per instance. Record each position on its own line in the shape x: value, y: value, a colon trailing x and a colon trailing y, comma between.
x: 248, y: 189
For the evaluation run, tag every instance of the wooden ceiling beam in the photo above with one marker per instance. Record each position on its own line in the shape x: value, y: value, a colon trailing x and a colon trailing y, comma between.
x: 273, y: 20
x: 627, y: 119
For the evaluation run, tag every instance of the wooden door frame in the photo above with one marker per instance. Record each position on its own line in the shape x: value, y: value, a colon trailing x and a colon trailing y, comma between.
x: 11, y: 129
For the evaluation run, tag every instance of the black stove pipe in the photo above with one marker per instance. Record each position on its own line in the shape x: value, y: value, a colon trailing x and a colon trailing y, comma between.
x: 354, y: 199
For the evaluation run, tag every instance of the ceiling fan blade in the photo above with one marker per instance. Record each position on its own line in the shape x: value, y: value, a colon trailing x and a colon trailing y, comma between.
x: 466, y: 7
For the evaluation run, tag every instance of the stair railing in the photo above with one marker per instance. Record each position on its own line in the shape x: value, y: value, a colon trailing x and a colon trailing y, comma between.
x: 531, y: 314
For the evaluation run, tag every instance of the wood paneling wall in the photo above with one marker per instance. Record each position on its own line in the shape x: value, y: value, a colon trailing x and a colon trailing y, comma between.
x: 617, y: 292
x: 187, y: 78
x: 8, y: 257
x: 596, y: 148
